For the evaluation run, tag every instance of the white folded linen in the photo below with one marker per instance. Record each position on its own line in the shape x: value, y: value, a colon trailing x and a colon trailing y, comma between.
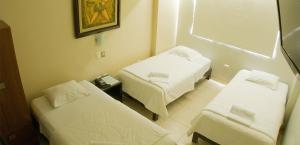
x: 159, y: 80
x: 158, y: 75
x: 242, y: 112
x: 238, y: 119
x: 103, y: 143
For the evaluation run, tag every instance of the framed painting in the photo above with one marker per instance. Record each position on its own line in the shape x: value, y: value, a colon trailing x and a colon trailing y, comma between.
x: 95, y: 16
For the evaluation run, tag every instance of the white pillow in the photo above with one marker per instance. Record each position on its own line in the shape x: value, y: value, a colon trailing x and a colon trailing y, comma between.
x: 185, y: 52
x: 263, y: 78
x: 181, y: 53
x: 65, y: 93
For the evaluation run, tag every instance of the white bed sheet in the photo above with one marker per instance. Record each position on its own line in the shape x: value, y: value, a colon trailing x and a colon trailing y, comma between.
x: 96, y: 118
x: 268, y: 105
x: 183, y: 74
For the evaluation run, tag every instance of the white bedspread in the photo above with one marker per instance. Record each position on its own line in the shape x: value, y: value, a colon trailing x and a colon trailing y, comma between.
x: 268, y: 106
x: 182, y: 75
x: 97, y: 118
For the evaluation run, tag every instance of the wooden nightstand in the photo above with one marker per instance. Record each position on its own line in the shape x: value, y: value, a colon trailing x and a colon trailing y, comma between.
x: 113, y: 89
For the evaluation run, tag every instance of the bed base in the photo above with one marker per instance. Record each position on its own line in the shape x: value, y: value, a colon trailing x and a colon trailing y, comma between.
x: 207, y: 75
x: 154, y: 117
x: 36, y: 125
x: 197, y: 135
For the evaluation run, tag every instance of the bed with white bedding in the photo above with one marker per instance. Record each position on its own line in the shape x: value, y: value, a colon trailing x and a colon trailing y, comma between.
x: 96, y: 119
x: 259, y: 126
x: 180, y: 68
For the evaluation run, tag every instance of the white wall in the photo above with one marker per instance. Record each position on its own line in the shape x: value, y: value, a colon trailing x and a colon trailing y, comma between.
x: 48, y: 53
x: 166, y: 29
x: 292, y: 132
x: 221, y: 55
x: 294, y: 94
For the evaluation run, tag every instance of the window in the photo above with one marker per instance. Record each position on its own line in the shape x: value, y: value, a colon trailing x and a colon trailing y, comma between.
x: 251, y: 25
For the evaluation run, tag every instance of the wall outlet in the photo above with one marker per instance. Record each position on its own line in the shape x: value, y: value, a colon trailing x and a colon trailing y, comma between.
x: 100, y: 54
x: 103, y: 54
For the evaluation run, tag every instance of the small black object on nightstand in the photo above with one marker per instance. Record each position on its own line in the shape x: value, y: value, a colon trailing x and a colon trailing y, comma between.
x: 110, y: 86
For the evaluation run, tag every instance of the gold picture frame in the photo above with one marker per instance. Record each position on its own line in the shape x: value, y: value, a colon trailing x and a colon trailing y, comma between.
x: 95, y: 16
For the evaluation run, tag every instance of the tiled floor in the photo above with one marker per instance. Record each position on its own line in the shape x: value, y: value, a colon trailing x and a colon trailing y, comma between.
x: 182, y: 111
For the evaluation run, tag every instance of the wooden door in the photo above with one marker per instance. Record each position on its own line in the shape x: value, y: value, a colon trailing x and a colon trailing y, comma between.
x: 12, y: 99
x: 3, y: 125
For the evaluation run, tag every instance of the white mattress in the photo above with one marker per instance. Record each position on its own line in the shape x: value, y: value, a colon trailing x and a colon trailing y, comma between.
x: 96, y: 118
x: 183, y: 74
x: 268, y: 105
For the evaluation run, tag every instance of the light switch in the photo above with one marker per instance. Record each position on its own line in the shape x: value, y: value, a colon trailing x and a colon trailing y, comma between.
x: 98, y: 54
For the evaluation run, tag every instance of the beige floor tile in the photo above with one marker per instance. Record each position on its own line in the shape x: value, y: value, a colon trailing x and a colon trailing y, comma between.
x: 175, y: 107
x: 176, y: 129
x: 185, y: 116
x: 138, y: 107
x: 182, y: 111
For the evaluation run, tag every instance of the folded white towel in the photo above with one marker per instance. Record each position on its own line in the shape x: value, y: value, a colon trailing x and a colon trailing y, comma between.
x: 242, y: 115
x: 159, y: 80
x: 103, y: 143
x: 158, y: 75
x: 239, y: 119
x: 242, y: 112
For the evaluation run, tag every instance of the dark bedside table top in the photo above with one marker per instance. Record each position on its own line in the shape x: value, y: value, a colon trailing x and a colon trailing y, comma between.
x: 109, y: 87
x: 107, y: 78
